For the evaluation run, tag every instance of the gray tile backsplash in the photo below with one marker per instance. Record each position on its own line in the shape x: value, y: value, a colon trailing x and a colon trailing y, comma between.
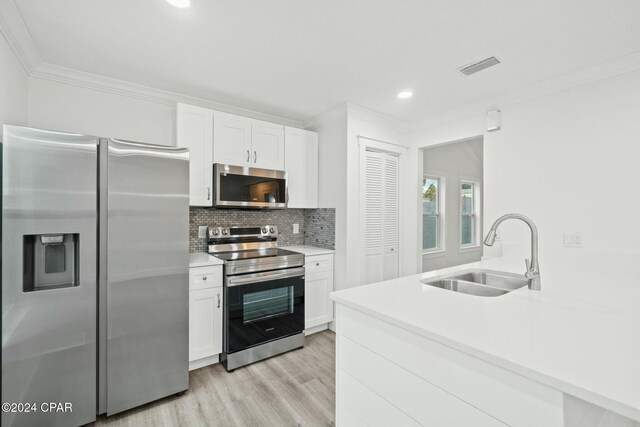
x: 320, y: 222
x: 320, y: 228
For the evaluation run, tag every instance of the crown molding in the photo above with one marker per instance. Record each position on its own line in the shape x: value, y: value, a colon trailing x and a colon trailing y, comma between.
x: 602, y: 71
x: 349, y: 110
x: 365, y: 114
x: 97, y: 82
x: 18, y: 37
x: 16, y: 32
x: 328, y: 117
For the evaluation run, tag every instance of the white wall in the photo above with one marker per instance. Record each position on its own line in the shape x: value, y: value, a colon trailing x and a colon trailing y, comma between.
x: 13, y: 87
x: 332, y: 171
x: 71, y: 108
x: 569, y: 160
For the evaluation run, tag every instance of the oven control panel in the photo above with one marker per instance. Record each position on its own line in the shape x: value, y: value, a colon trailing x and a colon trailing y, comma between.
x: 218, y: 233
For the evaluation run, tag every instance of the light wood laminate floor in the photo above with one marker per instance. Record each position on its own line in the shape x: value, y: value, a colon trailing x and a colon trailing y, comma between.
x: 293, y: 389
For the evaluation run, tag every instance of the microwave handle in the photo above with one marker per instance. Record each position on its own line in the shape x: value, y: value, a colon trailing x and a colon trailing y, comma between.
x: 246, y: 279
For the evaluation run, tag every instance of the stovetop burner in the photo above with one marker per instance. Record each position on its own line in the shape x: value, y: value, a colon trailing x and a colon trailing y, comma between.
x: 251, y: 249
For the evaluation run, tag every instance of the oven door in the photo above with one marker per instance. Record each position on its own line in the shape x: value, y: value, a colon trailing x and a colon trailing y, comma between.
x: 262, y: 307
x: 240, y: 187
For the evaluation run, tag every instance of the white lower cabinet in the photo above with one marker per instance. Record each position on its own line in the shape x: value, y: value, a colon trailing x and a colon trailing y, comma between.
x: 205, y: 315
x: 318, y: 284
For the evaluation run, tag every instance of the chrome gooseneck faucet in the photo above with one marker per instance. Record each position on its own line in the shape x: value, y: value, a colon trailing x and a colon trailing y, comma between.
x: 533, y: 269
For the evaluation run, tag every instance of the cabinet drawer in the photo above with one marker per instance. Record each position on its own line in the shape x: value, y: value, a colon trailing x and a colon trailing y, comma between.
x: 205, y: 277
x: 318, y: 263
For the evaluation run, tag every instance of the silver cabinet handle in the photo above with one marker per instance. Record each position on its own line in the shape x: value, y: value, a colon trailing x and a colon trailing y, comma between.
x: 255, y: 156
x: 208, y: 193
x: 248, y: 156
x: 204, y: 278
x: 218, y: 300
x: 317, y: 264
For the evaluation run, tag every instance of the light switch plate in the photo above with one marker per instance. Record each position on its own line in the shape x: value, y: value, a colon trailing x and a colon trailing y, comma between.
x: 573, y: 240
x: 296, y: 228
x: 202, y: 232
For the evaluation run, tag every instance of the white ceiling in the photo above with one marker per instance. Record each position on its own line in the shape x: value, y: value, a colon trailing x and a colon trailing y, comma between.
x: 300, y: 58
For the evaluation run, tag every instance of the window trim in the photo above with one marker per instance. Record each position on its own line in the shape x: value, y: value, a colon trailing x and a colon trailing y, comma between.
x: 440, y: 216
x: 476, y: 216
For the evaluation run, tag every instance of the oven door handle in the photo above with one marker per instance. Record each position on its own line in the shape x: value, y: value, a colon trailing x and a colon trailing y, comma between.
x: 246, y: 279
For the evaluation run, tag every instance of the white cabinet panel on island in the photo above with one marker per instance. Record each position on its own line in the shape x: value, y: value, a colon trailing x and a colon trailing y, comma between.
x: 301, y: 165
x: 194, y: 130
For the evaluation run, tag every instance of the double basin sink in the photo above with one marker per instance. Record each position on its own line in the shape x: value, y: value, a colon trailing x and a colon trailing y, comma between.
x: 483, y: 283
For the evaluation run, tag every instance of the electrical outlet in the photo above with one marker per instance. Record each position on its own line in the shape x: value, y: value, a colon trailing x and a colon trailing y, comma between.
x: 573, y: 240
x: 202, y: 232
x: 296, y: 228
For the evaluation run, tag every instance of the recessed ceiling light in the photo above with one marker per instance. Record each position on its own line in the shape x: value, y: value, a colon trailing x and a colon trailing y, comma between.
x: 182, y: 4
x: 405, y: 94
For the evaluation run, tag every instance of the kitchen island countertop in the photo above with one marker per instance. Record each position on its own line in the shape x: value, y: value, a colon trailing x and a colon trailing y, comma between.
x: 580, y: 334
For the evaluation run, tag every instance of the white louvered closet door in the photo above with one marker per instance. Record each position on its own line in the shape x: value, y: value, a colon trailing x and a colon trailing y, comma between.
x: 380, y: 216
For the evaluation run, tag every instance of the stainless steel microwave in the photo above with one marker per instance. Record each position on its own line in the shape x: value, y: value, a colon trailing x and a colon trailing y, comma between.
x: 249, y: 188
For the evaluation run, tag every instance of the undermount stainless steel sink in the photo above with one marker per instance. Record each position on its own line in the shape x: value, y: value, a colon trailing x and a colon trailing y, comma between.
x: 504, y: 281
x: 482, y: 283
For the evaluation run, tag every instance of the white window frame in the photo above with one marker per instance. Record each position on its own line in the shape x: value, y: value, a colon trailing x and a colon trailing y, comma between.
x: 475, y: 215
x: 440, y: 216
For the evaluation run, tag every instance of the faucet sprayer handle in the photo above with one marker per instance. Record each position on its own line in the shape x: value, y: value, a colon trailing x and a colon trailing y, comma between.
x: 529, y: 273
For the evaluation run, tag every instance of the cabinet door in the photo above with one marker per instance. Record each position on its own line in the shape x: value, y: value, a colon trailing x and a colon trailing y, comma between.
x: 267, y: 141
x: 318, y: 308
x: 301, y: 165
x: 205, y: 323
x: 232, y: 140
x: 194, y: 130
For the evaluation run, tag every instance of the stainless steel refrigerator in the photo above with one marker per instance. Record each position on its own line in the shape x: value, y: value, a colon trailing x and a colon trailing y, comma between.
x: 94, y: 274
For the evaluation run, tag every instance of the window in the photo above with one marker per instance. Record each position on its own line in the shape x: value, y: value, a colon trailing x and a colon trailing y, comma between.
x: 431, y: 214
x: 468, y: 214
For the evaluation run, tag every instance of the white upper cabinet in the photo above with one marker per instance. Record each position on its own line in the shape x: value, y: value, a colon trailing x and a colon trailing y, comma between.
x: 301, y: 164
x: 232, y: 140
x: 267, y: 140
x: 194, y: 130
x: 241, y: 141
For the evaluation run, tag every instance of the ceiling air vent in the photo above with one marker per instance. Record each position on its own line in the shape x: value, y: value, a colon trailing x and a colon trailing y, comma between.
x: 479, y: 66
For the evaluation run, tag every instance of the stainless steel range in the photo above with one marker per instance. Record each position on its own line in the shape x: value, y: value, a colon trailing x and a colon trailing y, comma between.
x: 263, y: 294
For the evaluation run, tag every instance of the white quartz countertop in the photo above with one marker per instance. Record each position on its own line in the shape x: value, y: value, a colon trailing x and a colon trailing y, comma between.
x: 203, y: 259
x: 580, y: 334
x: 309, y: 250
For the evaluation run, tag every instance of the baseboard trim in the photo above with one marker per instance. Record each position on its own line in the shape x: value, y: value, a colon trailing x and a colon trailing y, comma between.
x: 205, y: 361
